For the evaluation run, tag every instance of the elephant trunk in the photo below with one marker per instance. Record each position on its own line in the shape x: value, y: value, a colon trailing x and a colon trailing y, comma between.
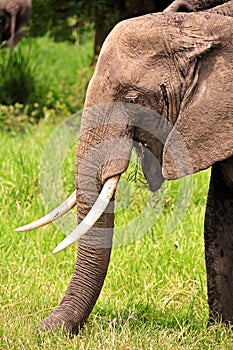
x: 93, y: 256
x: 103, y: 152
x: 82, y: 292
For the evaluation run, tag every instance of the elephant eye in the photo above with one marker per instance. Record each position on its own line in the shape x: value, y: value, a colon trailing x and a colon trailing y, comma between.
x: 131, y: 98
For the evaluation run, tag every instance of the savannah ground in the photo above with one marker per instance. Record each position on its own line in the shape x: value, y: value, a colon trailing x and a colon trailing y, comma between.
x: 154, y: 296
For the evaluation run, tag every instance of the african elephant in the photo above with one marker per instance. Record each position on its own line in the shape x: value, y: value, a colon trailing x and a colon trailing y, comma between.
x: 164, y: 83
x: 14, y: 16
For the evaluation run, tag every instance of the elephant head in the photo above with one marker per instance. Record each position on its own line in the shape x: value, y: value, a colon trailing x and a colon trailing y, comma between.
x: 162, y: 82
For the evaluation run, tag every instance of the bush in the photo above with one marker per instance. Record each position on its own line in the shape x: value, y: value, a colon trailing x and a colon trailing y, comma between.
x: 24, y: 94
x: 15, y: 117
x: 17, y: 76
x: 42, y: 79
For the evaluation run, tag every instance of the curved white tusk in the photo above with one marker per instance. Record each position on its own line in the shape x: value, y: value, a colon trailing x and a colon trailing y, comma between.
x: 94, y: 214
x: 53, y: 215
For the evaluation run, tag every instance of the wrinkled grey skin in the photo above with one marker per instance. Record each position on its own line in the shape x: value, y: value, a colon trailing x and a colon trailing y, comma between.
x: 223, y: 7
x: 194, y: 5
x: 14, y: 16
x: 180, y: 66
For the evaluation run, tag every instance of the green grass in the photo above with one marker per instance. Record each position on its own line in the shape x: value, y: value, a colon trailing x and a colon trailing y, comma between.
x: 41, y: 79
x: 154, y: 296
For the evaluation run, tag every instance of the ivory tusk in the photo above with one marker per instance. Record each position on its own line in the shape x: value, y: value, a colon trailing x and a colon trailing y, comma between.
x: 53, y: 215
x: 94, y: 214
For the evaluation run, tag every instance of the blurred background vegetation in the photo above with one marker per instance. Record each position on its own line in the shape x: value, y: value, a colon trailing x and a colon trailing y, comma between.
x: 47, y: 72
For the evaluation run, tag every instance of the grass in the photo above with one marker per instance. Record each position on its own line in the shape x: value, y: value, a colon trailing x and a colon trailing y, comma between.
x: 154, y: 296
x: 155, y: 292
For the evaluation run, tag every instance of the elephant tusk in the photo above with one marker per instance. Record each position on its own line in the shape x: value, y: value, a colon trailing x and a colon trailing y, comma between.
x: 53, y: 215
x: 94, y: 214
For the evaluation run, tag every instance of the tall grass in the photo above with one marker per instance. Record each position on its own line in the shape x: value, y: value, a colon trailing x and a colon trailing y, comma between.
x: 17, y: 82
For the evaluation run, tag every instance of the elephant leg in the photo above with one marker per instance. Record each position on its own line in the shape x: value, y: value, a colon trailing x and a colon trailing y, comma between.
x: 82, y: 292
x: 219, y: 242
x: 13, y: 26
x: 22, y: 21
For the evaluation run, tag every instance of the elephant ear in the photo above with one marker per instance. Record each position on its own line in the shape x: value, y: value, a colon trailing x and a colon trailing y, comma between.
x: 203, y: 131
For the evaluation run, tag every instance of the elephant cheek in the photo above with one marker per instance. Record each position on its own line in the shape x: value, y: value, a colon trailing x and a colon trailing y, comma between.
x: 152, y: 170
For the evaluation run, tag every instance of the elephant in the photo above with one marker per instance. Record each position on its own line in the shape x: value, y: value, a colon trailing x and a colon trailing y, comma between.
x: 162, y: 83
x: 14, y: 16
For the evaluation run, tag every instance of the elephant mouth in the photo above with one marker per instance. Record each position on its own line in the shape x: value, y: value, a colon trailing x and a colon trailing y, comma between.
x: 151, y: 166
x: 152, y: 171
x: 155, y: 185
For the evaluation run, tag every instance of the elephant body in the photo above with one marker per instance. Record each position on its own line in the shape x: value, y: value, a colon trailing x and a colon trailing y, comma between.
x: 163, y: 82
x: 14, y: 16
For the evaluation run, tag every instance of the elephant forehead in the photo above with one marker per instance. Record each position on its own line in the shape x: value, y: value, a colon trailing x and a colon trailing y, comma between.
x: 141, y: 46
x: 137, y: 35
